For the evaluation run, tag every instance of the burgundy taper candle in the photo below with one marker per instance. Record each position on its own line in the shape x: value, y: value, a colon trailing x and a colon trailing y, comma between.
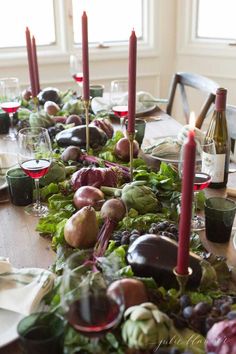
x: 85, y: 57
x: 35, y: 65
x: 30, y: 62
x: 186, y: 204
x: 132, y: 83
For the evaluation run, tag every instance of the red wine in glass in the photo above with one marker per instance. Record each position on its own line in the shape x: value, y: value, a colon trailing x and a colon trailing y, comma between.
x: 78, y: 77
x: 201, y: 181
x: 35, y: 168
x: 120, y: 111
x: 94, y: 315
x: 10, y: 107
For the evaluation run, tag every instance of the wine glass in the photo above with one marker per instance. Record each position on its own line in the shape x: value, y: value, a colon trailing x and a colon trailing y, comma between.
x: 88, y: 305
x: 204, y: 170
x: 34, y: 157
x: 76, y: 70
x: 10, y: 101
x: 119, y: 99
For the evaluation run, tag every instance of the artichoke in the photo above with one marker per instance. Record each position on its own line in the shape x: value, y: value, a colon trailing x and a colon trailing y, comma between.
x: 145, y: 326
x: 140, y: 198
x: 40, y: 119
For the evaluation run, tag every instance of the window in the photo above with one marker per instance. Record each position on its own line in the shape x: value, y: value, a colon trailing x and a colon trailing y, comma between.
x: 216, y: 20
x: 16, y: 15
x: 109, y: 21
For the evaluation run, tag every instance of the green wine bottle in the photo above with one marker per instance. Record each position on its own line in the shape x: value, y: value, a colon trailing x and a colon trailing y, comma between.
x: 218, y: 131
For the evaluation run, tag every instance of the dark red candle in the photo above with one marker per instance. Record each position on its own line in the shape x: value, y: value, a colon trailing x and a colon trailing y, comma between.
x: 30, y: 62
x: 132, y: 82
x: 85, y: 57
x: 35, y: 65
x: 186, y: 204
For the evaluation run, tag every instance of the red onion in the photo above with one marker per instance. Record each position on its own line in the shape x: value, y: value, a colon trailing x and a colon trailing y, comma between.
x: 122, y: 149
x: 88, y: 196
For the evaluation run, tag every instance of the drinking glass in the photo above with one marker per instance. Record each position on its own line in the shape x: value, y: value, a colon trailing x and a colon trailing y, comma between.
x: 34, y: 157
x: 204, y: 169
x: 89, y: 307
x: 119, y: 99
x: 10, y: 101
x: 76, y: 70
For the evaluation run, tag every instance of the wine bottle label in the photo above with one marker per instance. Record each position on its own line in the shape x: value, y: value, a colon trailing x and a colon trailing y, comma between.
x: 214, y: 165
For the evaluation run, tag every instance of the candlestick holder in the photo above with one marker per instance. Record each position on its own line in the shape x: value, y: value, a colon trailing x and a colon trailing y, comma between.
x: 86, y: 108
x: 131, y: 153
x: 182, y: 279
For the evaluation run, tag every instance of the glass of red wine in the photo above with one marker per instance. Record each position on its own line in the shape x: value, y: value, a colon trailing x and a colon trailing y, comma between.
x: 34, y: 157
x: 204, y: 169
x: 119, y: 99
x: 89, y: 307
x: 76, y: 71
x: 10, y: 101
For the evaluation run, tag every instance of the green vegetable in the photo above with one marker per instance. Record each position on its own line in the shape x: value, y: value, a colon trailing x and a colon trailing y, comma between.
x: 137, y: 196
x: 73, y: 106
x: 140, y: 222
x: 140, y: 198
x: 56, y: 173
x: 40, y: 119
x: 145, y: 326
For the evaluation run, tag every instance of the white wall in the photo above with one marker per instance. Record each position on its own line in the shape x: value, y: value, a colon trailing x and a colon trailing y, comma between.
x: 171, y: 51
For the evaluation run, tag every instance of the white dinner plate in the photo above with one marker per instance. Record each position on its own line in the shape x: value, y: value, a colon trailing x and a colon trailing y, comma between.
x: 145, y: 110
x: 8, y: 322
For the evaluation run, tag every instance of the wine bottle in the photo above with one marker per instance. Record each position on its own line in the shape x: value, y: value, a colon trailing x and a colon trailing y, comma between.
x: 218, y: 131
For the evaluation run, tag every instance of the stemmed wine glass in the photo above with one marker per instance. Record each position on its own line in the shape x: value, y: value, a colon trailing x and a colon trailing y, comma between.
x: 88, y: 305
x: 34, y: 157
x: 10, y: 101
x: 76, y: 70
x: 119, y: 99
x: 204, y: 170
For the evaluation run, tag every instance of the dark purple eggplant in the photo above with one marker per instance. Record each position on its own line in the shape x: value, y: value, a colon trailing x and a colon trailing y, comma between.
x: 156, y: 256
x: 77, y: 136
x: 49, y: 94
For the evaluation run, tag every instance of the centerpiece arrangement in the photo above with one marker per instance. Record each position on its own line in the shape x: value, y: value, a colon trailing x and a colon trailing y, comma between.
x: 106, y: 203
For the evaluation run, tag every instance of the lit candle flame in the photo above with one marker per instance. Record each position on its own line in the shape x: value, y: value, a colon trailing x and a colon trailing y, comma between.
x: 192, y: 121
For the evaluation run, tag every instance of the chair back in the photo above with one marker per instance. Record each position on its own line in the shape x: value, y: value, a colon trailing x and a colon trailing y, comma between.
x: 195, y: 81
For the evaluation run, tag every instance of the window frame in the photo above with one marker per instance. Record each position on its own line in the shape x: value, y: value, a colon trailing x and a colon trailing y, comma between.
x: 187, y: 41
x: 58, y: 52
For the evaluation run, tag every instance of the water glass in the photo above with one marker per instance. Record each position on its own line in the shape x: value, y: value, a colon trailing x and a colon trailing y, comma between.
x: 219, y: 217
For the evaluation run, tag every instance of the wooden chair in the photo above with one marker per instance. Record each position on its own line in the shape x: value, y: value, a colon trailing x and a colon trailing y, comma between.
x: 197, y: 82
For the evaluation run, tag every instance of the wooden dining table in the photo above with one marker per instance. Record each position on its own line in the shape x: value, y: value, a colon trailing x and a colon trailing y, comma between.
x: 26, y: 248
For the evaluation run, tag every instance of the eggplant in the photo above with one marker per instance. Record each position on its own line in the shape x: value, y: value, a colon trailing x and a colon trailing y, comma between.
x: 77, y: 136
x: 156, y: 256
x: 49, y: 94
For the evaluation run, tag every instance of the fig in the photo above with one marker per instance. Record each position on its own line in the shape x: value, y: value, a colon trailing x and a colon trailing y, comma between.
x: 51, y: 108
x: 71, y: 153
x: 74, y: 118
x: 26, y: 94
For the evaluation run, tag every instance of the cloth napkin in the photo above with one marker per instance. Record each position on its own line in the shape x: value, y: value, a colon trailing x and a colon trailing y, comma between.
x: 21, y: 290
x: 99, y: 104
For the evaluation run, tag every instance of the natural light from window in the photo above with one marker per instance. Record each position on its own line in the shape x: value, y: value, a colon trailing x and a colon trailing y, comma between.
x: 16, y: 15
x: 108, y: 20
x: 216, y: 19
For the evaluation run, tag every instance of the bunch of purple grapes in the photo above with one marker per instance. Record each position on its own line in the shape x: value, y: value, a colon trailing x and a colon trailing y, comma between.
x: 164, y: 228
x: 203, y: 315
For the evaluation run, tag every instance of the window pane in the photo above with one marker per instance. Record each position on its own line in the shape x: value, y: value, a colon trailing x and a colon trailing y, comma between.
x: 216, y: 19
x: 17, y: 15
x: 108, y: 20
